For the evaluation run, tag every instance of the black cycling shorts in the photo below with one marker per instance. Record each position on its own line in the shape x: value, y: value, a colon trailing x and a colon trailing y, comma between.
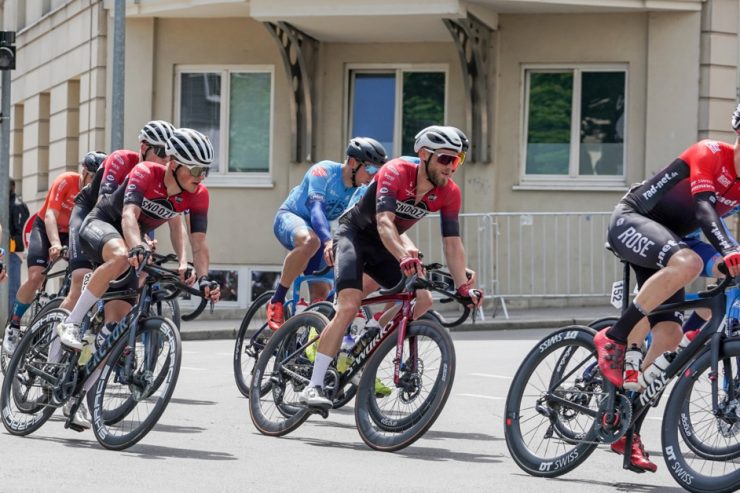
x: 39, y: 244
x: 77, y: 259
x: 641, y: 241
x: 356, y: 252
x: 94, y: 234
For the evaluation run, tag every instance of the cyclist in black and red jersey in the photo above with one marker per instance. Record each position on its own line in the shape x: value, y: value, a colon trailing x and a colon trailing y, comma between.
x: 370, y: 238
x: 113, y: 233
x: 646, y: 228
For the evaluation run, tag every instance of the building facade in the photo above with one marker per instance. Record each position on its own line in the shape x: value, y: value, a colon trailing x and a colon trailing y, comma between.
x: 567, y: 102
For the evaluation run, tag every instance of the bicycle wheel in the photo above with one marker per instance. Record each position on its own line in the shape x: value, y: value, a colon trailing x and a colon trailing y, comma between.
x: 689, y: 412
x: 284, y: 366
x: 25, y: 394
x: 157, y: 350
x: 250, y: 340
x: 396, y: 420
x: 552, y: 404
x: 34, y: 311
x: 602, y: 323
x: 167, y: 309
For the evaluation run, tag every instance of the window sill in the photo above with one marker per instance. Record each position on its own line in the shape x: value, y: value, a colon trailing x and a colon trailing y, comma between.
x: 239, y: 181
x: 571, y: 186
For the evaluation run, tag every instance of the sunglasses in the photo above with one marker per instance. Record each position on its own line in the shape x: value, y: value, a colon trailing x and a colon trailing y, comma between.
x: 159, y: 151
x: 448, y: 159
x: 197, y: 171
x: 371, y: 168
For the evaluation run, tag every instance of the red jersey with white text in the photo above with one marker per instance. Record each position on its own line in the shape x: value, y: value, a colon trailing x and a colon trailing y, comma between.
x: 61, y: 198
x: 145, y: 188
x: 114, y: 169
x: 394, y: 190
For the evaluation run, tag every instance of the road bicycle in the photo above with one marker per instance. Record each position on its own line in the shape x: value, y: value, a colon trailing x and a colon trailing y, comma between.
x: 418, y: 365
x: 138, y: 364
x: 43, y: 299
x: 559, y: 408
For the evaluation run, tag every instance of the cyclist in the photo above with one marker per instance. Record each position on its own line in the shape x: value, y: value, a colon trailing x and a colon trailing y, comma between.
x: 302, y: 222
x: 369, y: 240
x: 115, y: 167
x: 646, y: 228
x: 152, y: 194
x: 47, y: 238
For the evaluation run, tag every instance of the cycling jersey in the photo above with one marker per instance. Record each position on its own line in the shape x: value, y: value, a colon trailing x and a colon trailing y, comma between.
x: 394, y: 190
x: 322, y: 183
x: 61, y: 198
x: 692, y: 192
x: 111, y: 173
x: 145, y: 188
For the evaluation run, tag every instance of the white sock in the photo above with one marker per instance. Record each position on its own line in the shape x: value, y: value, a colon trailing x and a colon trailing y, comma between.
x: 320, y: 365
x: 86, y: 301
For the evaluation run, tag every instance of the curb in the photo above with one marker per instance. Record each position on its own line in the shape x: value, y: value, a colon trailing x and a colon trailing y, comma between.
x: 220, y: 334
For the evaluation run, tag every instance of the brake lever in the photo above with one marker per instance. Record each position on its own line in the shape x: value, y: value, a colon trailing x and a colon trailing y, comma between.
x: 212, y: 285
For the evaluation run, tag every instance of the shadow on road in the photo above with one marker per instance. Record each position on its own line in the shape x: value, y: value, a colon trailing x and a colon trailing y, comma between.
x: 459, y: 436
x: 192, y: 402
x: 178, y: 429
x: 619, y: 486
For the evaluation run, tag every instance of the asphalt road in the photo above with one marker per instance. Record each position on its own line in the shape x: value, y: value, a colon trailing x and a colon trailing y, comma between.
x: 205, y: 441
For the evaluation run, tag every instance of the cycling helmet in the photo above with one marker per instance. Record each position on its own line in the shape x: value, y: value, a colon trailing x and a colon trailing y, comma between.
x: 156, y: 132
x: 190, y: 147
x: 439, y: 137
x: 464, y: 139
x: 367, y: 150
x: 92, y: 160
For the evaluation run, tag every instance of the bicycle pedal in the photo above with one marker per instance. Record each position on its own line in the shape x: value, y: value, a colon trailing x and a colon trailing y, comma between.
x: 322, y: 411
x: 72, y: 426
x: 634, y: 469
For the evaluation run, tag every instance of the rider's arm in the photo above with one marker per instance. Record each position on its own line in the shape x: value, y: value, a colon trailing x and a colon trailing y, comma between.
x: 712, y: 227
x: 454, y: 251
x: 177, y: 237
x: 201, y: 255
x: 130, y: 225
x: 52, y: 230
x: 319, y: 223
x: 389, y: 235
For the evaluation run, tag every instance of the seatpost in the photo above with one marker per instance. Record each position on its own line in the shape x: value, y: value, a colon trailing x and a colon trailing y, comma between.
x: 626, y: 287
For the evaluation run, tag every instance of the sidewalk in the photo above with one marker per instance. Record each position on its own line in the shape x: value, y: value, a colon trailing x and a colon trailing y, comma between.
x: 530, y: 318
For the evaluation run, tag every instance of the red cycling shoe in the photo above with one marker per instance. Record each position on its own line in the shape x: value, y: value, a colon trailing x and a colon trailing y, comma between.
x: 275, y: 315
x: 611, y: 357
x: 640, y: 459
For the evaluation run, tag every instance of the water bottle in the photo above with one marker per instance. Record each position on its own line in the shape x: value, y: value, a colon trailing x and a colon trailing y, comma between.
x: 301, y: 306
x: 656, y: 369
x: 357, y: 328
x: 632, y: 364
x: 88, y: 348
x: 363, y: 342
x: 686, y: 339
x: 344, y: 359
x: 103, y: 335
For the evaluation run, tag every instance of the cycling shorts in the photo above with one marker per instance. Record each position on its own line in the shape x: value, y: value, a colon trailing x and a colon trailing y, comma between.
x: 641, y: 241
x: 356, y: 252
x: 285, y: 225
x: 94, y: 234
x: 709, y: 255
x: 39, y: 244
x: 77, y: 259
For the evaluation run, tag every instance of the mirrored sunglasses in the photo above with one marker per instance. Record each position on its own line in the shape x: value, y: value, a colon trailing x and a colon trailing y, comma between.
x: 371, y: 168
x: 448, y: 159
x: 197, y: 171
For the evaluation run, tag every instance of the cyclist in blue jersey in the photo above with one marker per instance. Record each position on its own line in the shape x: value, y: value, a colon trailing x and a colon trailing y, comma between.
x: 302, y: 222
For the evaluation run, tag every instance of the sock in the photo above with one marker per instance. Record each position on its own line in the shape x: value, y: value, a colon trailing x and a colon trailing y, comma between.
x: 18, y: 310
x: 86, y: 301
x: 279, y: 296
x: 320, y: 365
x: 626, y: 323
x: 694, y: 322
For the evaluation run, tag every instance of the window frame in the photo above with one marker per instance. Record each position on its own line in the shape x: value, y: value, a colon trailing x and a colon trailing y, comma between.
x: 231, y: 179
x: 571, y: 181
x: 398, y: 69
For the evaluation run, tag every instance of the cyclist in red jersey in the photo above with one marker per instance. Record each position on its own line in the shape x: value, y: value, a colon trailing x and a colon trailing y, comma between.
x: 48, y: 236
x: 646, y: 228
x: 370, y: 238
x: 113, y: 233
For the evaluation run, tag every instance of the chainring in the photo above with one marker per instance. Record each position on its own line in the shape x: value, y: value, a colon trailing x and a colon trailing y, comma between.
x: 607, y: 433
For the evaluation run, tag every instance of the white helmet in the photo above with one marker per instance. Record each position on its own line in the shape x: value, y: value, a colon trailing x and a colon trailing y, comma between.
x: 191, y: 147
x: 156, y: 132
x: 439, y: 137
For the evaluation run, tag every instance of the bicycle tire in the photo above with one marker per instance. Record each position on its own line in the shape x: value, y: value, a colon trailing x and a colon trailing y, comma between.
x: 247, y: 348
x: 570, y: 339
x: 20, y: 382
x: 278, y: 412
x: 407, y: 430
x: 167, y: 309
x: 602, y: 323
x: 50, y: 305
x: 150, y: 402
x: 682, y: 461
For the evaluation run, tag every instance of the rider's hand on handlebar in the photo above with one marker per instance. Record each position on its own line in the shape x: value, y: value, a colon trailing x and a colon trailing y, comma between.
x: 732, y: 261
x: 474, y: 295
x: 136, y: 255
x: 411, y: 265
x: 329, y: 253
x: 210, y: 289
x: 54, y: 251
x: 187, y: 275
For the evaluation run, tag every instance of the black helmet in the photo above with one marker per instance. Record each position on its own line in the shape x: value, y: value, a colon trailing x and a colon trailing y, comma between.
x: 93, y: 160
x: 367, y: 150
x: 464, y: 139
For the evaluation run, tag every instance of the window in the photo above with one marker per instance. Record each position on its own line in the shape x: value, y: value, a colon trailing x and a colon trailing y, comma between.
x: 233, y: 107
x: 393, y: 104
x: 574, y: 126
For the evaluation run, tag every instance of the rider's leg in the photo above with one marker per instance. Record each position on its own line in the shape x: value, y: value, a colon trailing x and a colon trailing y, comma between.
x: 25, y: 294
x: 306, y: 245
x: 666, y: 336
x: 75, y: 288
x: 318, y: 291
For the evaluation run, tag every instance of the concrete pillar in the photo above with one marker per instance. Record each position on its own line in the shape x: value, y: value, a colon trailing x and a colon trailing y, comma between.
x: 64, y: 127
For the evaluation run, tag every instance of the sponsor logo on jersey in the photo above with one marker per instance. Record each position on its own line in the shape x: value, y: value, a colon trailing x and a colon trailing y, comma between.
x: 158, y: 209
x: 658, y: 185
x: 723, y: 179
x: 110, y: 177
x: 432, y: 197
x: 319, y: 171
x: 713, y: 146
x: 407, y: 210
x: 384, y: 190
x: 131, y: 187
x: 635, y: 241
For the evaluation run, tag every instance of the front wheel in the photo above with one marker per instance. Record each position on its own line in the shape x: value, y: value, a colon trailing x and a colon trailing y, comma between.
x: 553, y: 402
x: 129, y: 380
x: 701, y: 447
x: 392, y: 415
x: 250, y: 340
